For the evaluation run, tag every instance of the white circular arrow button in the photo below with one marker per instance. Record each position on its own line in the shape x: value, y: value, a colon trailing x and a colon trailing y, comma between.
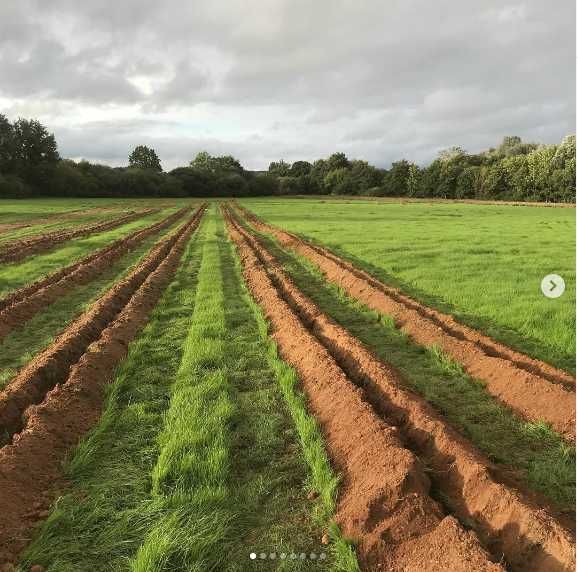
x: 553, y: 286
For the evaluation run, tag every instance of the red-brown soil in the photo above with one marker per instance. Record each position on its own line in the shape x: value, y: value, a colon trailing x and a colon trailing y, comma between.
x: 22, y: 304
x: 533, y: 389
x: 30, y: 467
x: 16, y: 250
x: 384, y: 502
x: 509, y: 523
x: 51, y: 366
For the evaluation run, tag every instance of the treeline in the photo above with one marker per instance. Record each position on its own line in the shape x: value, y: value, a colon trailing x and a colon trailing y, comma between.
x: 30, y: 165
x: 515, y: 170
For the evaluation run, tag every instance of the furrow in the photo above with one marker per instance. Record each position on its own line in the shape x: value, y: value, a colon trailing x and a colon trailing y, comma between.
x: 22, y: 304
x: 384, y: 502
x: 528, y: 535
x: 533, y: 389
x: 52, y: 366
x: 30, y: 467
x: 19, y: 249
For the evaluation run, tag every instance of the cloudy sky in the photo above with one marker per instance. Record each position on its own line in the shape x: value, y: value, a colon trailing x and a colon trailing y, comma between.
x: 269, y: 79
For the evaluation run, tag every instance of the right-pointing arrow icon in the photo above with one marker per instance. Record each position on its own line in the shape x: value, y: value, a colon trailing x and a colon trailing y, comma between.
x: 553, y: 286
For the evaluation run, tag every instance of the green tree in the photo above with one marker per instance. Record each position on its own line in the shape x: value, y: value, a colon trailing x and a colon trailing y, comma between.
x: 301, y: 168
x: 6, y: 144
x: 279, y: 168
x: 413, y: 180
x: 337, y: 161
x: 144, y: 157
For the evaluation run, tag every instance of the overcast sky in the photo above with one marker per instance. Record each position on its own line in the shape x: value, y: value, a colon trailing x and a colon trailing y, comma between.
x: 269, y: 79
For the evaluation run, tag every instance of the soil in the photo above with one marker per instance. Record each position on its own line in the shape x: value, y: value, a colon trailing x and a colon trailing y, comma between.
x: 22, y: 304
x: 67, y: 382
x: 509, y: 522
x: 384, y: 502
x: 16, y: 250
x: 533, y: 389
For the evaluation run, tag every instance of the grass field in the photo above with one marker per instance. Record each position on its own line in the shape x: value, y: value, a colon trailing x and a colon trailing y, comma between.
x: 481, y: 263
x: 210, y: 448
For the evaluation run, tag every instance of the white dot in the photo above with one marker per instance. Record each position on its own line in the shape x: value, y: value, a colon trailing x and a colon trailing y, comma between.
x: 252, y: 556
x: 322, y: 556
x: 293, y: 556
x: 283, y: 556
x: 262, y: 556
x: 313, y: 556
x: 303, y: 556
x: 272, y: 556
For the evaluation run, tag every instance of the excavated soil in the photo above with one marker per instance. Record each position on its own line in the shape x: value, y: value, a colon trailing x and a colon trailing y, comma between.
x: 51, y: 366
x: 22, y: 304
x: 384, y: 502
x: 512, y: 525
x: 533, y: 389
x: 16, y: 250
x: 30, y: 467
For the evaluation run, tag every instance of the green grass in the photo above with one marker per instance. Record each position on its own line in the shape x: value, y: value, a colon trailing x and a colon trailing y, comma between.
x: 52, y: 224
x: 99, y: 523
x: 482, y: 263
x: 23, y: 343
x: 19, y: 274
x: 197, y: 461
x: 539, y: 457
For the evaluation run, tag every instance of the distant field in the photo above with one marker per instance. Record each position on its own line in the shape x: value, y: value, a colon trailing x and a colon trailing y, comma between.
x: 482, y: 263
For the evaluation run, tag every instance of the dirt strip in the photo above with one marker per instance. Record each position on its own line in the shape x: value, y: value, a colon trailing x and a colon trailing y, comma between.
x: 384, y: 502
x: 22, y: 304
x: 528, y: 535
x: 51, y: 367
x: 19, y: 249
x: 533, y: 389
x: 31, y: 467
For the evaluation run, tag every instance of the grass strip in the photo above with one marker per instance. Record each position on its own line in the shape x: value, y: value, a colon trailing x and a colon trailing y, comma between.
x: 99, y: 524
x: 136, y: 502
x: 231, y: 472
x: 323, y: 479
x: 531, y: 453
x: 32, y: 268
x: 22, y: 344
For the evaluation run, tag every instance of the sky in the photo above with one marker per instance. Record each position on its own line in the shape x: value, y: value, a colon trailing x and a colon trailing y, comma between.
x: 265, y: 80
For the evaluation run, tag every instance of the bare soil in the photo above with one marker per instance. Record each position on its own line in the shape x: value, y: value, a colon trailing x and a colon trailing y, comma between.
x: 16, y: 250
x: 533, y: 389
x: 67, y: 383
x: 508, y: 522
x: 22, y: 304
x: 384, y: 501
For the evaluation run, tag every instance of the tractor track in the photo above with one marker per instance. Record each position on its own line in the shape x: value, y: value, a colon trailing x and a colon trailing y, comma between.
x: 67, y: 382
x: 332, y: 364
x: 22, y: 304
x: 17, y: 250
x: 533, y: 389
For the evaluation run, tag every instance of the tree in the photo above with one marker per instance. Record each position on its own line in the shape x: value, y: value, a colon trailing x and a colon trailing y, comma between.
x: 301, y: 168
x: 144, y: 157
x: 225, y: 164
x: 413, y: 180
x: 279, y: 168
x: 337, y: 161
x: 6, y: 144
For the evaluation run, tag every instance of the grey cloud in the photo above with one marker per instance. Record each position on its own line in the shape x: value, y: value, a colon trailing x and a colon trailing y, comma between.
x: 381, y: 79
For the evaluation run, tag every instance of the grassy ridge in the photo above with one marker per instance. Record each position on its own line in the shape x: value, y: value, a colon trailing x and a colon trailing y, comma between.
x: 23, y: 343
x: 99, y: 524
x: 196, y: 462
x: 482, y: 263
x: 540, y: 457
x: 18, y: 274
